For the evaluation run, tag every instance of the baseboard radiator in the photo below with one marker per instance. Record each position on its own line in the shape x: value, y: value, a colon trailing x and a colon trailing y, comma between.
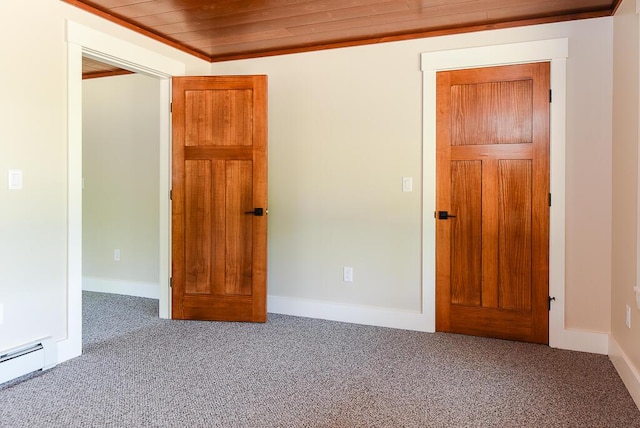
x: 28, y: 358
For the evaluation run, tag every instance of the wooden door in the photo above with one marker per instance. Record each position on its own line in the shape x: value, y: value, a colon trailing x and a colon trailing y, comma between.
x: 492, y: 168
x: 219, y: 197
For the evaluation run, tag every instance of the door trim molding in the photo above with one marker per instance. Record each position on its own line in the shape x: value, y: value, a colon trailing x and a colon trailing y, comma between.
x: 84, y: 40
x: 556, y: 51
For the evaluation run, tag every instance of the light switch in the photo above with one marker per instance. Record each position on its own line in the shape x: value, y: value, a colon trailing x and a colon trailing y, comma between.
x: 407, y: 184
x: 15, y: 179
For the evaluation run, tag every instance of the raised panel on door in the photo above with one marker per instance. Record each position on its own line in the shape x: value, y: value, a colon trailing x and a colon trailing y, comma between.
x: 466, y: 232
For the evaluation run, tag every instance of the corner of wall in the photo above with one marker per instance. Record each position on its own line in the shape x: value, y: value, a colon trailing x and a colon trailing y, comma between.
x: 626, y: 369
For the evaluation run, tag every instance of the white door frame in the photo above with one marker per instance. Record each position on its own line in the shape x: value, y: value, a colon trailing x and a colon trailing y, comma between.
x: 556, y: 51
x: 85, y: 41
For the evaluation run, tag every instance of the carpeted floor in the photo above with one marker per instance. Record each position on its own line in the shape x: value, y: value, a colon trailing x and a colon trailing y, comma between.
x: 140, y: 371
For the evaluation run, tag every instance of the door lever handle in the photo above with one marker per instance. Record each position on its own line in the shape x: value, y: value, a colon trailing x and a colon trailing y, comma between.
x: 258, y: 212
x: 443, y: 215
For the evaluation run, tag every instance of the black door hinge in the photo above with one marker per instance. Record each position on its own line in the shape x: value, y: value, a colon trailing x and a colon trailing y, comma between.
x: 171, y: 195
x: 549, y: 199
x: 170, y: 107
x: 551, y: 299
x: 170, y: 282
x: 550, y: 96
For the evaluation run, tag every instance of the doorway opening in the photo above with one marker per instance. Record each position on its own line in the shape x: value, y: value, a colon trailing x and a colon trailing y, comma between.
x: 86, y: 42
x: 120, y: 215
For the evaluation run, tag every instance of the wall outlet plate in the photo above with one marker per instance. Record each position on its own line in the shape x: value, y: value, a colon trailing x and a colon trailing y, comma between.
x: 627, y: 318
x: 347, y: 274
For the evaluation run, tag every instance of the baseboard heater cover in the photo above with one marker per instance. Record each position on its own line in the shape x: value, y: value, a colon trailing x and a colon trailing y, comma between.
x: 28, y: 358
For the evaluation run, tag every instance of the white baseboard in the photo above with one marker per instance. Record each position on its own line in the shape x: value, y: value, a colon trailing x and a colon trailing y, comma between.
x: 128, y: 288
x: 68, y: 349
x: 627, y: 371
x: 580, y: 340
x: 348, y: 313
x: 573, y: 340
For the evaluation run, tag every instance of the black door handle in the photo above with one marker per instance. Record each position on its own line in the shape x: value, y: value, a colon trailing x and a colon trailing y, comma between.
x: 258, y: 212
x: 443, y: 215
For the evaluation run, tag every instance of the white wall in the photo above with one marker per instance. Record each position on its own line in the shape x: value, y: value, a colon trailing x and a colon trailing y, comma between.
x: 625, y: 342
x: 32, y: 220
x: 346, y: 126
x: 33, y: 108
x: 121, y: 127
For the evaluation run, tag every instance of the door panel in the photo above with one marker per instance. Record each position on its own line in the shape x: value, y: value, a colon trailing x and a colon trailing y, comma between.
x: 238, y: 194
x: 491, y: 113
x: 492, y: 168
x: 466, y: 236
x: 198, y: 223
x: 219, y: 178
x: 514, y: 235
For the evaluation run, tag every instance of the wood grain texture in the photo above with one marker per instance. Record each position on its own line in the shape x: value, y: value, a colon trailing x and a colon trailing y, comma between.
x: 492, y: 113
x: 513, y: 182
x: 540, y: 202
x: 466, y: 232
x: 92, y: 69
x: 198, y: 226
x: 443, y: 201
x: 219, y: 173
x: 225, y: 30
x: 199, y: 128
x: 514, y: 234
x: 490, y: 151
x: 219, y: 250
x: 239, y: 200
x: 490, y: 220
x: 490, y: 322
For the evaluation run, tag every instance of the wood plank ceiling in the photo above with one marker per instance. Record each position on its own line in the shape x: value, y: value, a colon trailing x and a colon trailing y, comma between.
x: 92, y: 69
x: 233, y: 29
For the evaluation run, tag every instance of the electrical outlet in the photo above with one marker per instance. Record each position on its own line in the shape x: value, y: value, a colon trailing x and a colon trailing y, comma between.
x: 116, y: 255
x: 627, y: 319
x: 347, y: 274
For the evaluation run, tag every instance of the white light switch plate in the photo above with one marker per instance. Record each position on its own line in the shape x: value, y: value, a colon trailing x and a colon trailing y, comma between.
x: 14, y: 178
x: 407, y: 184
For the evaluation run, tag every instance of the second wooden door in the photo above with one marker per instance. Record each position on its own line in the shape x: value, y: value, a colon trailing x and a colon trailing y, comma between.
x: 492, y: 197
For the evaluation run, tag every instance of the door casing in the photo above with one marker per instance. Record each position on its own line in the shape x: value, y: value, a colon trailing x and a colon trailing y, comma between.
x: 555, y: 51
x: 82, y: 40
